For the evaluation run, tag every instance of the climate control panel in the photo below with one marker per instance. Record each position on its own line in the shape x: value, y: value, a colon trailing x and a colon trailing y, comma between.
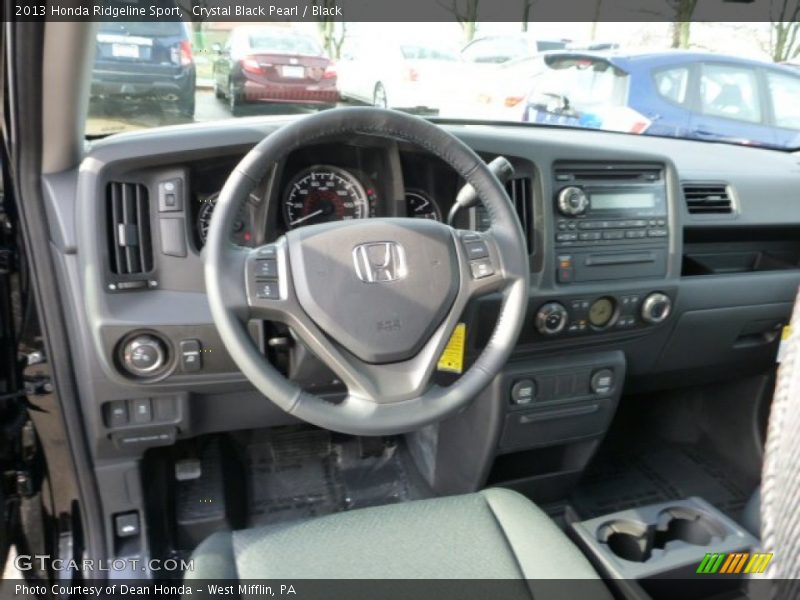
x: 580, y: 315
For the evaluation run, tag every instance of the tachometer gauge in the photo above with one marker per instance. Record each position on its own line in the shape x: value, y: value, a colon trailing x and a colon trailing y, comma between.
x: 240, y: 234
x: 420, y: 206
x: 324, y: 193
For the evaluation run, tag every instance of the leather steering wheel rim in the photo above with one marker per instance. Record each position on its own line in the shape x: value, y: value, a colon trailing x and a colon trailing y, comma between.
x: 391, y: 396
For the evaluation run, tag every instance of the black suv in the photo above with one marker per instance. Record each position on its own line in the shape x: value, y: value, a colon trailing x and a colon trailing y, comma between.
x: 145, y: 61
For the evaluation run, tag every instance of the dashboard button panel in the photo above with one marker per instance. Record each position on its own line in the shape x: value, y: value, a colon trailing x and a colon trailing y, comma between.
x: 605, y: 313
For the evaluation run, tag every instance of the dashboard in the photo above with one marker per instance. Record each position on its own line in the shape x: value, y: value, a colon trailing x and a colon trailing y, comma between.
x: 661, y: 259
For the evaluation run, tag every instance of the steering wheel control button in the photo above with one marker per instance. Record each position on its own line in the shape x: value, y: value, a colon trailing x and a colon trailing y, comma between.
x: 144, y: 355
x: 551, y: 318
x: 142, y: 411
x: 267, y: 290
x: 267, y: 267
x: 602, y: 381
x: 267, y: 252
x: 191, y: 356
x: 656, y: 308
x: 476, y: 250
x: 523, y: 391
x: 481, y: 268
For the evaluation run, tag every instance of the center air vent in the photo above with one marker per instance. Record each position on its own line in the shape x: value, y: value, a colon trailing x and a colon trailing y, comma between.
x: 520, y: 192
x: 708, y: 198
x: 608, y: 172
x: 129, y: 241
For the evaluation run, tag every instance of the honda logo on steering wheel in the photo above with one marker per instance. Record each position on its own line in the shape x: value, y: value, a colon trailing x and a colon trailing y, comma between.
x: 378, y: 262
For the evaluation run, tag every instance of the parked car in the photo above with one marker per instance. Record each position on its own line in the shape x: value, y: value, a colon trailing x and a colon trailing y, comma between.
x: 145, y: 60
x: 497, y: 95
x: 395, y: 74
x: 497, y: 49
x: 269, y: 64
x: 681, y: 94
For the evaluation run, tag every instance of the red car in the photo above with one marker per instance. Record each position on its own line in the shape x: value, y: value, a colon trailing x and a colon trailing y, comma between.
x: 262, y: 64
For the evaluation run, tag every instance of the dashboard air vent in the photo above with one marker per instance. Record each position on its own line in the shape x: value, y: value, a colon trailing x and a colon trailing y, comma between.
x: 708, y: 198
x: 612, y: 172
x: 130, y: 245
x: 519, y: 190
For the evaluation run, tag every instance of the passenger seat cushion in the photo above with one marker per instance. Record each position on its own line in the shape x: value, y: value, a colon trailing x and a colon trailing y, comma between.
x: 494, y: 534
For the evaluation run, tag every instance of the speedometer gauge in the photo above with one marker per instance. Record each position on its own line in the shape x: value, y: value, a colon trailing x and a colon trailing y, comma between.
x: 324, y: 193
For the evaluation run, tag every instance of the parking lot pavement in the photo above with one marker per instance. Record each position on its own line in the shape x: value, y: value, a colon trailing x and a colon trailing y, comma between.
x: 107, y: 118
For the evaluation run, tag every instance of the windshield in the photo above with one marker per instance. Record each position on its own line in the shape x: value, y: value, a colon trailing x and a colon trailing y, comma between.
x: 723, y: 82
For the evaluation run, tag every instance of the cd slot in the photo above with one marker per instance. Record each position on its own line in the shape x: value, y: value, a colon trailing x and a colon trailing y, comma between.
x: 619, y: 259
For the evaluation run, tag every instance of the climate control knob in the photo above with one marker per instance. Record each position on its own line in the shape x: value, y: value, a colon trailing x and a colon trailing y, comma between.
x: 572, y: 201
x: 656, y: 308
x: 144, y: 355
x: 551, y: 318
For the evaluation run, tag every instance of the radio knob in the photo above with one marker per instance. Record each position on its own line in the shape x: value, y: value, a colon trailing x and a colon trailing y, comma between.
x: 551, y: 318
x: 572, y: 201
x: 144, y: 355
x: 656, y: 308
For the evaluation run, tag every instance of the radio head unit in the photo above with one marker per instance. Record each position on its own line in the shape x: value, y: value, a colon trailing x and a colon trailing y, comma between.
x: 610, y: 204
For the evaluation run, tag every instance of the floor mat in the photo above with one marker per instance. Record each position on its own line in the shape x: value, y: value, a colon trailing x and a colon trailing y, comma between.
x: 669, y: 472
x: 297, y: 474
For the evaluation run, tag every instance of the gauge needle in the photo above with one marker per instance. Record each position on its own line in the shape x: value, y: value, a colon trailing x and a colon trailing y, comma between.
x: 306, y: 218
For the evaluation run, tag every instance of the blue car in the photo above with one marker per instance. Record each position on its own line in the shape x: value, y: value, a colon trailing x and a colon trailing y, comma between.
x: 676, y: 93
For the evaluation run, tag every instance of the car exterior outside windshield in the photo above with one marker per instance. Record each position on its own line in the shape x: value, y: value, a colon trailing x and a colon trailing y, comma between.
x: 703, y: 96
x: 262, y: 64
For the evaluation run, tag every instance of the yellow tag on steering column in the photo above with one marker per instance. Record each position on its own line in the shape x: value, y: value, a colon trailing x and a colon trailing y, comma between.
x: 452, y: 358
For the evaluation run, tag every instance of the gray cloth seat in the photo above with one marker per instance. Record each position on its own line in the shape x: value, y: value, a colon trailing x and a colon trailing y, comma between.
x: 493, y: 534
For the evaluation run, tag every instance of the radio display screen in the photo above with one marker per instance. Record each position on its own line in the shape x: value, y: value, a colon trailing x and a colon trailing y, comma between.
x: 623, y: 201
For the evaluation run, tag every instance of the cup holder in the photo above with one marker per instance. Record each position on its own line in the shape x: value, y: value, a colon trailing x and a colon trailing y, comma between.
x: 630, y: 540
x: 635, y: 541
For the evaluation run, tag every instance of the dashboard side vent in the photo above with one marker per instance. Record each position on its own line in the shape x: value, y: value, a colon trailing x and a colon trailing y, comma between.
x: 129, y: 239
x: 519, y: 190
x: 708, y: 198
x: 614, y: 172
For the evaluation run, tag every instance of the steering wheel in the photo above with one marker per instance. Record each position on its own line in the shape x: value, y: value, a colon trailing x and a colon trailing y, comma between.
x: 376, y: 299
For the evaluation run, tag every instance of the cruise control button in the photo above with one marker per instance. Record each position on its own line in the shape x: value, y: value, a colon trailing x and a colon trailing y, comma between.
x: 481, y: 268
x: 476, y: 250
x: 266, y: 267
x: 267, y: 290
